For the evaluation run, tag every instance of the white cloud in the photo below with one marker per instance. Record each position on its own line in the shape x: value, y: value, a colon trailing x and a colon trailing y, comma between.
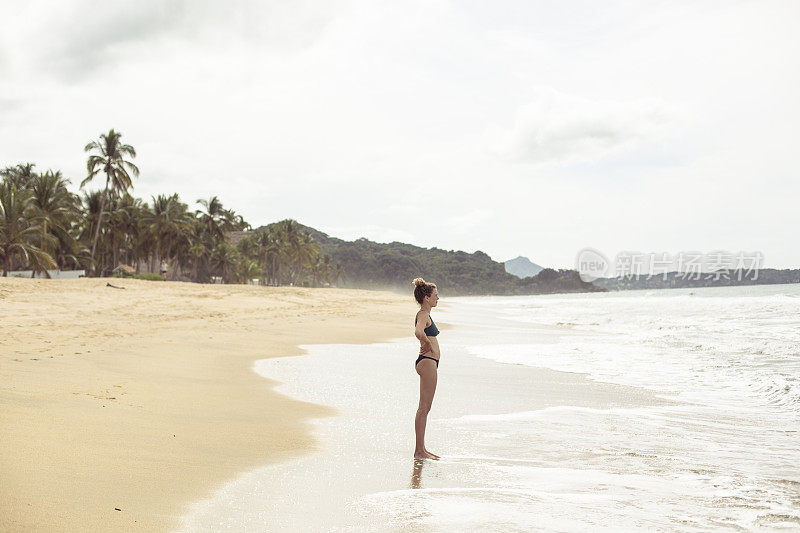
x: 464, y: 222
x: 555, y: 126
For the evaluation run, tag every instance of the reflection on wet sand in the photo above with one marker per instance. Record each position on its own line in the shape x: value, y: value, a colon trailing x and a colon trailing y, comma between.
x: 416, y: 474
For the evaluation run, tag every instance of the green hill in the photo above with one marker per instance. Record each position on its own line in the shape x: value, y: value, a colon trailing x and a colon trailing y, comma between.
x: 393, y: 266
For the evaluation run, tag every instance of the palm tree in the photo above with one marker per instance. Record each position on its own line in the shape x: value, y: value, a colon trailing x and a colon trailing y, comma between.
x: 248, y: 269
x: 90, y: 213
x: 321, y: 270
x: 304, y: 252
x: 120, y: 226
x: 269, y: 253
x: 212, y: 218
x: 233, y: 222
x: 20, y: 175
x: 19, y: 229
x: 326, y: 269
x: 126, y: 223
x: 339, y: 272
x: 198, y: 252
x: 248, y: 248
x: 166, y: 223
x: 112, y: 162
x: 289, y: 237
x: 224, y: 260
x: 53, y: 205
x: 143, y: 242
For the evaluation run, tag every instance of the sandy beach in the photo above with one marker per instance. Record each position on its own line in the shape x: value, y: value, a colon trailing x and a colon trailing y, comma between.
x: 182, y: 407
x: 120, y: 406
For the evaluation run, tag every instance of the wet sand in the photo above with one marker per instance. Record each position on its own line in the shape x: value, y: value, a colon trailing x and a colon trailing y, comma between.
x: 363, y: 477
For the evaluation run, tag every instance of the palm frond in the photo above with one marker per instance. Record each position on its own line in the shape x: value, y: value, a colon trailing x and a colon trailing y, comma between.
x: 131, y: 167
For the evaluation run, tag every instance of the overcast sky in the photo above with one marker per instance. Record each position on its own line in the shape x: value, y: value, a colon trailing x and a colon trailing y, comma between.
x: 515, y: 128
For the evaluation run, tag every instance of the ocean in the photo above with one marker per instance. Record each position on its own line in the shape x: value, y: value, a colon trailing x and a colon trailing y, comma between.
x: 666, y: 410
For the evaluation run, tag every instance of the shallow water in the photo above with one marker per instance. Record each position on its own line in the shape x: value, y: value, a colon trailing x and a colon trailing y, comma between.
x: 661, y: 410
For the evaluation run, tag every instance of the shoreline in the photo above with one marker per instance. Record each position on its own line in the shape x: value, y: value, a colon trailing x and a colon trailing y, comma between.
x: 375, y: 404
x: 144, y: 399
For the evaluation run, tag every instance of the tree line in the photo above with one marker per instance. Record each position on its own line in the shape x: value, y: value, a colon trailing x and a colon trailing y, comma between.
x: 393, y: 265
x: 43, y: 225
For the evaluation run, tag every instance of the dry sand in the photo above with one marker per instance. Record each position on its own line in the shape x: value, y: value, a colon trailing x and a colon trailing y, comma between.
x: 143, y: 399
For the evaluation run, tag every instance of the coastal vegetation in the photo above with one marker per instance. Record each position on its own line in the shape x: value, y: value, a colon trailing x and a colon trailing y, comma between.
x: 391, y: 266
x: 44, y: 225
x: 108, y: 231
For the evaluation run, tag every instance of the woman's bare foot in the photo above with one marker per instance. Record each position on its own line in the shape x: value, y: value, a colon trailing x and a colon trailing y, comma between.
x: 425, y: 455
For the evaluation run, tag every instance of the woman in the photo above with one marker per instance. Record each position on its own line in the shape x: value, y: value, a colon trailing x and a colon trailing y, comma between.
x: 427, y: 363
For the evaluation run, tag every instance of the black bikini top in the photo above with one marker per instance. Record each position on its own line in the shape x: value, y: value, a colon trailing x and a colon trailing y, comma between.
x: 430, y: 331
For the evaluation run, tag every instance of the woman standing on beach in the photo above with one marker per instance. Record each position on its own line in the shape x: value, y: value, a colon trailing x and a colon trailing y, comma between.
x: 427, y: 363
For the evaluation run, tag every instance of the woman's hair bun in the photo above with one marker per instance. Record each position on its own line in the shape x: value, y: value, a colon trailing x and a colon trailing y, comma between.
x: 422, y: 289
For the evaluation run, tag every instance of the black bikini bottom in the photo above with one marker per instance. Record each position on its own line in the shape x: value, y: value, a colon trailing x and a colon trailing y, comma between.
x: 421, y: 357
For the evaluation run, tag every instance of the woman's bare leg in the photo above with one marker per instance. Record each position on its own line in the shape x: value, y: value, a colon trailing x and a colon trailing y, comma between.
x: 427, y: 388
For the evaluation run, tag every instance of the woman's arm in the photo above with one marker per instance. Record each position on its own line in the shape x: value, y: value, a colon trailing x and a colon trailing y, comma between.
x: 419, y: 332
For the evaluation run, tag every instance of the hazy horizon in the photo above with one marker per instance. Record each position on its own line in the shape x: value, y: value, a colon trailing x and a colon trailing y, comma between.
x: 533, y: 129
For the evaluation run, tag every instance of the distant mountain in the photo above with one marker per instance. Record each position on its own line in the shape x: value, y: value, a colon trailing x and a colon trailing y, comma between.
x: 394, y: 265
x: 522, y: 267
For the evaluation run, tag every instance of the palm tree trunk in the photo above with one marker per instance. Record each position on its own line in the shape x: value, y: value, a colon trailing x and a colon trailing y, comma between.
x: 42, y: 244
x: 100, y: 218
x: 263, y: 264
x: 115, y: 252
x: 156, y: 257
x: 167, y: 251
x: 34, y: 265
